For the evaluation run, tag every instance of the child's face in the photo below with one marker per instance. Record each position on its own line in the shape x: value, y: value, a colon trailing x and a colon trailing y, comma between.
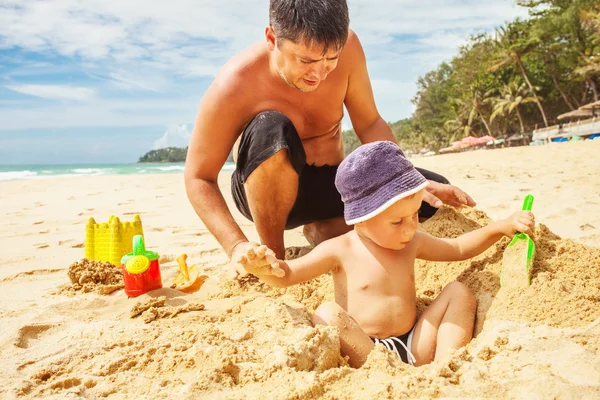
x: 395, y: 227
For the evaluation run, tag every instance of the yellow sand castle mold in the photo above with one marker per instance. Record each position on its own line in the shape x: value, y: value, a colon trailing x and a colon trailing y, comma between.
x: 111, y: 241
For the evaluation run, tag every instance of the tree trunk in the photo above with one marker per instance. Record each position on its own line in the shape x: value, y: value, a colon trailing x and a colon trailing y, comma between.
x: 520, y: 119
x: 594, y: 88
x: 561, y: 92
x: 537, y: 101
x: 585, y: 91
x: 487, y: 127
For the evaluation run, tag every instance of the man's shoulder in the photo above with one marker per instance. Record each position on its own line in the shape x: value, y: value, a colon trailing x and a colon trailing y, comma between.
x: 236, y: 71
x: 353, y: 42
x: 352, y: 52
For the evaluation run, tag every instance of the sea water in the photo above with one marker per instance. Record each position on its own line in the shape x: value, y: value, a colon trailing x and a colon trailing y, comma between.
x: 44, y: 171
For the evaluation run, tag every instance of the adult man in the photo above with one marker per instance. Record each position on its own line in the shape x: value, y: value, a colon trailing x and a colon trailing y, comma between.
x: 279, y: 105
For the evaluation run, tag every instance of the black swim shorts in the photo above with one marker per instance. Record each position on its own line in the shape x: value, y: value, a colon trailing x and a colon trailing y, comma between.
x: 318, y: 198
x: 401, y: 345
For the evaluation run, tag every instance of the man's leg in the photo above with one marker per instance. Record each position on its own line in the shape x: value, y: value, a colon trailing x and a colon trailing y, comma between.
x: 271, y: 191
x: 264, y: 185
x: 319, y: 198
x: 427, y: 211
x: 354, y: 342
x: 446, y: 324
x: 320, y: 231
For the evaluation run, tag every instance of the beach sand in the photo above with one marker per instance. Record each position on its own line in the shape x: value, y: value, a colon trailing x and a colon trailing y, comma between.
x: 235, y: 340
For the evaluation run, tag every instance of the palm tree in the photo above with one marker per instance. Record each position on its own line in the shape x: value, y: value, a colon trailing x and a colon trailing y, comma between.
x: 468, y: 111
x: 513, y: 43
x: 590, y: 54
x: 511, y: 97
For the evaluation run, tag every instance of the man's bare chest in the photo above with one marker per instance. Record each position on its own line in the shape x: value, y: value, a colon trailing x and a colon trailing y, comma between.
x: 313, y: 114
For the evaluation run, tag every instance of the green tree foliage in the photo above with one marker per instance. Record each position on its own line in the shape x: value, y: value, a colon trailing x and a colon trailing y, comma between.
x: 518, y: 78
x: 169, y: 155
x: 165, y: 155
x: 510, y: 98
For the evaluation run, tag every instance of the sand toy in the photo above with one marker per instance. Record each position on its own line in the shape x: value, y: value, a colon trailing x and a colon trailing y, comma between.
x: 189, y: 279
x: 518, y: 257
x: 111, y: 241
x: 141, y: 269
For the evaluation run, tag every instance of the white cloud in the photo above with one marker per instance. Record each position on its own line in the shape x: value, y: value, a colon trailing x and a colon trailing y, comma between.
x: 98, y: 112
x: 179, y: 33
x: 158, y: 48
x: 175, y: 135
x: 57, y: 92
x: 124, y: 80
x: 133, y: 30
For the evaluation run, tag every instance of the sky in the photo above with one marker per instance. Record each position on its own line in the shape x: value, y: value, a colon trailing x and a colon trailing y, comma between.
x: 104, y: 81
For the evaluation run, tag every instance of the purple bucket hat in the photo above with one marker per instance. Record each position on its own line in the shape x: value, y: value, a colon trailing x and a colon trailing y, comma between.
x: 373, y: 177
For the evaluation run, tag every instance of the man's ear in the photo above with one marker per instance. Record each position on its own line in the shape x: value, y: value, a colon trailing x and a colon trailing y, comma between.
x: 270, y: 36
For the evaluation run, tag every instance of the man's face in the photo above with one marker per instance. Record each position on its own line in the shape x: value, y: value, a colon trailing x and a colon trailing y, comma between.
x: 303, y: 66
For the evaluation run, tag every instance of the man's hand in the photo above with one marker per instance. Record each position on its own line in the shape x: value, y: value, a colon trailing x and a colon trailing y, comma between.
x: 521, y: 221
x: 253, y: 258
x: 437, y: 194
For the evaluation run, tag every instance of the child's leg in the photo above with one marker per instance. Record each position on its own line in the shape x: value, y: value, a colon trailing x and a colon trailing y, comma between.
x: 354, y: 343
x: 446, y: 324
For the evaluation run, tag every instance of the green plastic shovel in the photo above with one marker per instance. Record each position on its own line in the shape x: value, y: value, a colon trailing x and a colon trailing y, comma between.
x: 518, y: 256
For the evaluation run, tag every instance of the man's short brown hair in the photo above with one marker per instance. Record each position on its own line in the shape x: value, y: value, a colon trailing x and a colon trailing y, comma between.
x: 322, y: 22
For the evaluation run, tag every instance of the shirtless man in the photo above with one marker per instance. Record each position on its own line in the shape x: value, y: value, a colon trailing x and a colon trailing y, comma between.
x: 280, y: 102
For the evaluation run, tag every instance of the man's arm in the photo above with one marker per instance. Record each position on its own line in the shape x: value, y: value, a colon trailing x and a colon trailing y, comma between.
x: 475, y: 242
x: 366, y: 121
x: 370, y: 127
x: 218, y: 122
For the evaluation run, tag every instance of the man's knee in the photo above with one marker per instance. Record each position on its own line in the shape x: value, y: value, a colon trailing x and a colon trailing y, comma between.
x: 328, y: 313
x: 319, y: 231
x: 270, y: 141
x: 277, y: 165
x: 462, y: 294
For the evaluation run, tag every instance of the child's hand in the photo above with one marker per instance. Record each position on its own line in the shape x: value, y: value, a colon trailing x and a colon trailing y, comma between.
x: 258, y: 260
x: 521, y: 221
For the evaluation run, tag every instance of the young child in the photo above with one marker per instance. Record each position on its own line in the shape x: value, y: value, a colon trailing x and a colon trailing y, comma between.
x: 373, y: 265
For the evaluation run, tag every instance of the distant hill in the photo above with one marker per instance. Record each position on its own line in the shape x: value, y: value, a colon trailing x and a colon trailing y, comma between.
x: 165, y: 155
x: 169, y: 155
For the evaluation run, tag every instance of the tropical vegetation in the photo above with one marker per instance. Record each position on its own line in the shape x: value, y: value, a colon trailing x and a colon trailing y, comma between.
x: 520, y: 77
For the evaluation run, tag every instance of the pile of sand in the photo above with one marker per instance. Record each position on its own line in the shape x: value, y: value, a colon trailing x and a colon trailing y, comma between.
x: 253, y: 341
x: 93, y: 276
x: 565, y: 288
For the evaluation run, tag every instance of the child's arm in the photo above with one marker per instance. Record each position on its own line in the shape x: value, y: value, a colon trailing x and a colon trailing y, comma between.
x: 475, y: 242
x: 279, y: 273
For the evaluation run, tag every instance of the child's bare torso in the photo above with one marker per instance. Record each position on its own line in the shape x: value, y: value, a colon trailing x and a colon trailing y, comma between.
x: 376, y: 286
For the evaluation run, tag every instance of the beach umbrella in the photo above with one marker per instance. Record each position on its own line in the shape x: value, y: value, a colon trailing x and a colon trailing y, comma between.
x: 577, y: 114
x: 592, y: 106
x: 469, y: 141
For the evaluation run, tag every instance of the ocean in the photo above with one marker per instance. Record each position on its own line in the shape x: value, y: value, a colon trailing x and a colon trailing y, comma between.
x: 46, y: 171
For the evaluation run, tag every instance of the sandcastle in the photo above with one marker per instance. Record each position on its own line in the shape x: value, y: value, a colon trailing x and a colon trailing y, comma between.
x: 111, y: 241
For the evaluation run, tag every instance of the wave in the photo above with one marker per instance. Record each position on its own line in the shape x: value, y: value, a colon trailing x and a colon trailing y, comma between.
x: 92, y: 171
x: 16, y: 172
x: 171, y: 168
x: 12, y: 175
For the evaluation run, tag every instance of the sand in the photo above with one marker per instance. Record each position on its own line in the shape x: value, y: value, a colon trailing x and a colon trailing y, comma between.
x: 516, y: 266
x: 63, y: 337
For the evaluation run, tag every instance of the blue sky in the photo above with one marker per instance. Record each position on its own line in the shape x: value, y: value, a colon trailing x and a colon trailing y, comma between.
x: 104, y: 81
